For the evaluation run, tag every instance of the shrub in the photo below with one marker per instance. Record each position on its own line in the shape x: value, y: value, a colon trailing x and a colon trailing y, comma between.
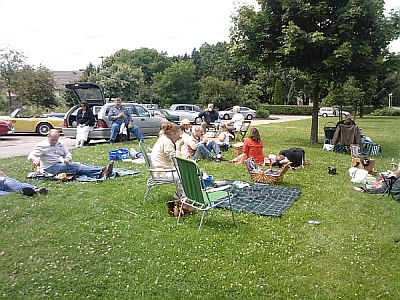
x: 262, y: 113
x: 386, y: 111
x: 301, y: 110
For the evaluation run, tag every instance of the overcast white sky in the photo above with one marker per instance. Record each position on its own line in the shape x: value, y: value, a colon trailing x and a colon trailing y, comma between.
x: 68, y: 35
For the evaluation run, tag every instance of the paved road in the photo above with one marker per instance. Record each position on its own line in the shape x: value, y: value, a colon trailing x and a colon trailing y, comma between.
x: 22, y: 144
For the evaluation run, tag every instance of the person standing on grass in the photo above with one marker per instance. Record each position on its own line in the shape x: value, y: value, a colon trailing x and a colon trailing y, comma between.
x: 8, y: 185
x: 85, y: 120
x: 119, y: 115
x: 51, y: 156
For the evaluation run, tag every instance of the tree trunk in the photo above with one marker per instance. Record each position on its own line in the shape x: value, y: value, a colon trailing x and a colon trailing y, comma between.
x: 314, y: 121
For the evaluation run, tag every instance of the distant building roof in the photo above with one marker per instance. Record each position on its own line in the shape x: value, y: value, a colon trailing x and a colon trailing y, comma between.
x: 61, y: 78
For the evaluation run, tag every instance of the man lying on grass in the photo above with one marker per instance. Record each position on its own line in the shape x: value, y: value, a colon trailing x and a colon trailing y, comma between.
x: 52, y: 157
x: 8, y: 185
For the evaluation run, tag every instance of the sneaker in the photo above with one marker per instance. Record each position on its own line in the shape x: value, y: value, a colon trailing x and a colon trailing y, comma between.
x: 42, y: 190
x: 218, y: 159
x: 28, y: 191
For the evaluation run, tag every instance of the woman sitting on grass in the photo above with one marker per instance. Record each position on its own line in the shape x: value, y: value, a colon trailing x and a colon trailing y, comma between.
x: 252, y: 147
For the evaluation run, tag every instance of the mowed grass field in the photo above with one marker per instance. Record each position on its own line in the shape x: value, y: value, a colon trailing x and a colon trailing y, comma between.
x: 101, y: 240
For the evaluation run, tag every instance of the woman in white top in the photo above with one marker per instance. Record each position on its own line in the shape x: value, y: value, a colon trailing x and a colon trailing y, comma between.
x: 237, y: 119
x: 164, y: 149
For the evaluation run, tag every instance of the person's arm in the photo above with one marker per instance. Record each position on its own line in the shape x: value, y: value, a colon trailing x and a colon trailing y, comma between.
x: 34, y: 156
x: 2, y: 173
x: 246, y: 146
x: 112, y: 116
x: 90, y: 118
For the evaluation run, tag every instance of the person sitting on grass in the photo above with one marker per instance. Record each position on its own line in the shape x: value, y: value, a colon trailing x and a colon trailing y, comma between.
x: 186, y: 136
x: 224, y: 137
x: 252, y: 147
x: 382, y: 186
x: 201, y: 147
x: 9, y: 184
x: 52, y: 157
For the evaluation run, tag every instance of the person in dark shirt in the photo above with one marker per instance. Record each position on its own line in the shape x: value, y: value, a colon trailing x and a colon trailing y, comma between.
x: 209, y: 116
x: 293, y: 155
x: 85, y: 120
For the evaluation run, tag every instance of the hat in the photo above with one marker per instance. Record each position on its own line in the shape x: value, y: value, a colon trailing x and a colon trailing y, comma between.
x: 185, y: 122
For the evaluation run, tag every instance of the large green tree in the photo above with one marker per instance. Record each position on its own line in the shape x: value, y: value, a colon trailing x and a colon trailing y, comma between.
x: 11, y: 62
x: 326, y: 40
x: 119, y: 80
x: 36, y: 87
x: 222, y: 93
x: 178, y: 83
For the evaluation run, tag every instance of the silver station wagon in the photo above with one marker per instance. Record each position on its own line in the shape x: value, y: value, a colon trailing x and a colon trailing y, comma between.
x: 92, y: 93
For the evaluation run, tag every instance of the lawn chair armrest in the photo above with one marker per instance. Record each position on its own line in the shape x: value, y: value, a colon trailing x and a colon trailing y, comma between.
x: 162, y: 170
x: 221, y: 188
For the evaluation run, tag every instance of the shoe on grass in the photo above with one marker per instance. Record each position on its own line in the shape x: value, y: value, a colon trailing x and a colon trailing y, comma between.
x: 28, y: 191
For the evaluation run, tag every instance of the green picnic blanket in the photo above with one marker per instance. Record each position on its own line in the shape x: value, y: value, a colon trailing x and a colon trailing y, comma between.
x: 262, y: 199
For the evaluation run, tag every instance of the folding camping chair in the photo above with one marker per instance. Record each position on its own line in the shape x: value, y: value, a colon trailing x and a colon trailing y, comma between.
x: 196, y: 195
x: 241, y: 133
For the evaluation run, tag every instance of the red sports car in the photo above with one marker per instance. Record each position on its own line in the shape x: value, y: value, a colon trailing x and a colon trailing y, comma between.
x: 6, y: 128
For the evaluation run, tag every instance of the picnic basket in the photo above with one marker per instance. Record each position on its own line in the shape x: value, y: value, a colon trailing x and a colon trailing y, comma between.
x: 259, y: 175
x: 238, y: 148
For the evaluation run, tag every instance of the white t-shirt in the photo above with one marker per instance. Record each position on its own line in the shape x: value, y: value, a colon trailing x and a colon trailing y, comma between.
x: 237, y: 120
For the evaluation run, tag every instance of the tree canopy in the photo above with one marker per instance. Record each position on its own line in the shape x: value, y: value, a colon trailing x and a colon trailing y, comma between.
x: 326, y: 40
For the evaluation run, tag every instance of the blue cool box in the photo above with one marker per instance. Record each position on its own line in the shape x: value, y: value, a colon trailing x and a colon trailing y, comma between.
x: 118, y: 154
x: 208, y: 181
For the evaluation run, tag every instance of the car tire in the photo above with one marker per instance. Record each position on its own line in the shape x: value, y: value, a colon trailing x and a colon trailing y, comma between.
x: 249, y: 117
x: 198, y: 120
x: 324, y: 115
x: 226, y: 117
x: 43, y: 128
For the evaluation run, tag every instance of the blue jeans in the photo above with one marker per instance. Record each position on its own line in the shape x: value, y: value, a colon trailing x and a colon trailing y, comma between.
x: 75, y: 169
x: 204, y: 151
x: 134, y: 129
x: 8, y: 185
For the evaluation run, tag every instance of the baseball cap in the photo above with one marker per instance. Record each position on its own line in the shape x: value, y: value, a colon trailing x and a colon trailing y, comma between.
x: 185, y: 122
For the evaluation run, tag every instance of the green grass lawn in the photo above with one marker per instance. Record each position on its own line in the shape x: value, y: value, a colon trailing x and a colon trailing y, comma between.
x: 100, y: 240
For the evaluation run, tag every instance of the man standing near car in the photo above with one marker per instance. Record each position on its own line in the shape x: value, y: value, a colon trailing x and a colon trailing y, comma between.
x: 119, y: 115
x: 209, y: 115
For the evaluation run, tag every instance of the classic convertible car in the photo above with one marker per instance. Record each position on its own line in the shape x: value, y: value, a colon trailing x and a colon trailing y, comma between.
x: 39, y: 125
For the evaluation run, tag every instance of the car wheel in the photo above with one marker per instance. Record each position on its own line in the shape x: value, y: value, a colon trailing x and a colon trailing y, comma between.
x: 197, y: 121
x: 249, y: 117
x: 324, y: 115
x: 44, y: 128
x: 226, y: 117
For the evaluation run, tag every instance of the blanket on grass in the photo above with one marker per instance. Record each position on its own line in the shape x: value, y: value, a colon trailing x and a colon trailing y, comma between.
x: 262, y: 199
x: 117, y: 172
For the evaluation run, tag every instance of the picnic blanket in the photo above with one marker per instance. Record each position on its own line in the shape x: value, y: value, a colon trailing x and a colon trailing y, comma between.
x: 117, y: 172
x: 262, y: 199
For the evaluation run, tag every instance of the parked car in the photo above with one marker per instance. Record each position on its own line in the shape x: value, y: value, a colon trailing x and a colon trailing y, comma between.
x: 164, y: 113
x: 35, y: 124
x: 248, y: 113
x: 55, y: 115
x: 92, y: 93
x: 6, y: 128
x: 331, y: 112
x: 186, y: 111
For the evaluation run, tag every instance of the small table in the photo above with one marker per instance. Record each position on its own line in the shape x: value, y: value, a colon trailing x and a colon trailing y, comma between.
x: 389, y: 181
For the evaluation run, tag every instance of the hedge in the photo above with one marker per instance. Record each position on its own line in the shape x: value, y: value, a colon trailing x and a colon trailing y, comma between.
x: 302, y: 110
